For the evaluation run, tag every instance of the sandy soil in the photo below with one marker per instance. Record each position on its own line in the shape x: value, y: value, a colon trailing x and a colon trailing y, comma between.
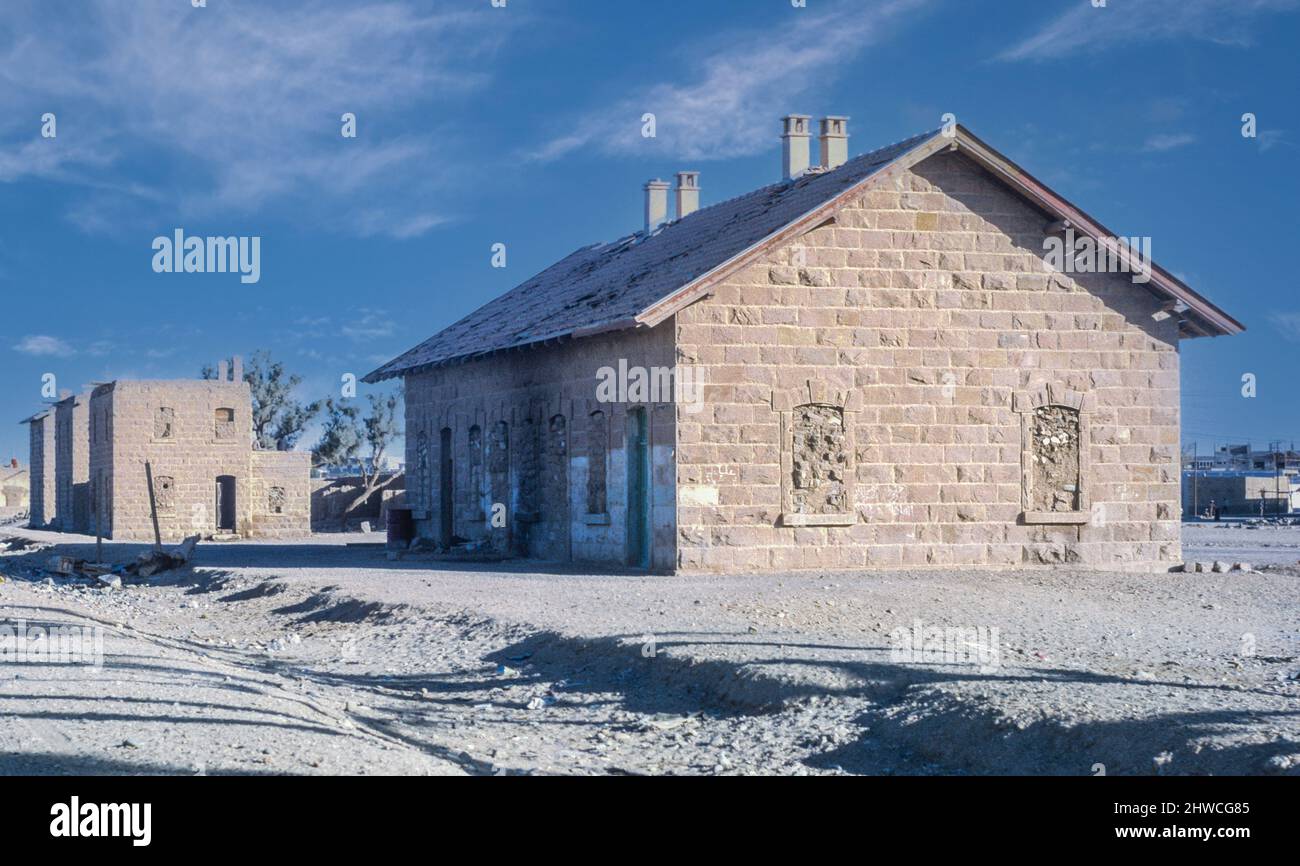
x: 324, y: 658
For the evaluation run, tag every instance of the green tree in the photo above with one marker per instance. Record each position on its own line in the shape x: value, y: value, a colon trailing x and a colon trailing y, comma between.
x: 350, y: 439
x: 279, y: 419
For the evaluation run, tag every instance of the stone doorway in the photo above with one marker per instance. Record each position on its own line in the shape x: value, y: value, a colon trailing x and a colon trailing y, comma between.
x: 638, y: 488
x: 226, y: 503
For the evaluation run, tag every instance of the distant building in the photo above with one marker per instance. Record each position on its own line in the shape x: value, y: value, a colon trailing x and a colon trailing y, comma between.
x: 15, y: 496
x: 1244, y: 458
x: 1240, y: 493
x: 192, y: 439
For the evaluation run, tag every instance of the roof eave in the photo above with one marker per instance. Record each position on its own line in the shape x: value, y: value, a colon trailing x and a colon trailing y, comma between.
x: 1200, y: 318
x: 1219, y: 322
x: 383, y: 373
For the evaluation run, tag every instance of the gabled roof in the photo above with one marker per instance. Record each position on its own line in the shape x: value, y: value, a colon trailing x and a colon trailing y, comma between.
x: 640, y: 281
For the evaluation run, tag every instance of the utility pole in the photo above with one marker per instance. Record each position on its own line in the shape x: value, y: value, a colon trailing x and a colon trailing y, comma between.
x: 1277, y: 477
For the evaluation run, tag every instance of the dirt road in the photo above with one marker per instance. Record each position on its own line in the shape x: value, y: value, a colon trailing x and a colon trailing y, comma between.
x: 321, y: 658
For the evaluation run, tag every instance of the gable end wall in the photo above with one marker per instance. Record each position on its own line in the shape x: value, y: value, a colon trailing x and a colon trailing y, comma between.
x: 929, y: 298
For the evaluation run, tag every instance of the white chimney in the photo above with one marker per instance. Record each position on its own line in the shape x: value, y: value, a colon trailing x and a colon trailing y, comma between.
x: 221, y: 370
x: 835, y: 141
x: 795, y: 145
x: 688, y: 193
x: 237, y: 369
x: 656, y: 204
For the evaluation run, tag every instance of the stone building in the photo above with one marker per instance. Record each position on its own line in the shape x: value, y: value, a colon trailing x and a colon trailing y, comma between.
x: 1240, y: 493
x: 192, y: 442
x: 898, y: 368
x: 72, y: 463
x: 15, y: 490
x: 41, y: 495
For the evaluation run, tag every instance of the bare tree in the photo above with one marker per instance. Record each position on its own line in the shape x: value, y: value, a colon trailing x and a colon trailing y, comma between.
x: 349, y: 439
x: 279, y: 419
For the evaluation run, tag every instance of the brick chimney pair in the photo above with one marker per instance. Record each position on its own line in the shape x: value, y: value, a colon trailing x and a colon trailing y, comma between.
x: 235, y: 373
x: 797, y: 138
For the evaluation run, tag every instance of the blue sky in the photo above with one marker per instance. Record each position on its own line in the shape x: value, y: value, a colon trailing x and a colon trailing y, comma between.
x: 521, y: 125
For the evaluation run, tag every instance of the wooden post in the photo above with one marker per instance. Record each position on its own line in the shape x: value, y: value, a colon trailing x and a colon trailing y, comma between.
x: 153, y: 506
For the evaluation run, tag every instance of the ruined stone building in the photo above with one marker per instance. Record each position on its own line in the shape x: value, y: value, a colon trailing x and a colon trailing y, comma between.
x: 41, y: 496
x: 192, y: 442
x: 896, y: 373
x: 72, y: 464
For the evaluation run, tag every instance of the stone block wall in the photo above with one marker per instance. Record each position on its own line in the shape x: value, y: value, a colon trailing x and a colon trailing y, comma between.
x: 99, y: 438
x: 43, y: 507
x: 527, y: 431
x: 174, y: 428
x: 1239, y: 495
x: 927, y: 301
x: 281, y: 494
x: 72, y: 463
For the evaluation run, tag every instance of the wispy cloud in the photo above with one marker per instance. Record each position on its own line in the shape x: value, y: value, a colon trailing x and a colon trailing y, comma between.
x: 1167, y: 141
x: 726, y: 107
x: 238, y: 105
x: 43, y: 345
x: 1087, y: 28
x: 369, y: 325
x: 1288, y: 325
x: 1271, y: 138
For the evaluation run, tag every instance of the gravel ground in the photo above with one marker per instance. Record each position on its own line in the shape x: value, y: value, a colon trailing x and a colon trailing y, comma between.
x: 1237, y: 541
x: 324, y: 658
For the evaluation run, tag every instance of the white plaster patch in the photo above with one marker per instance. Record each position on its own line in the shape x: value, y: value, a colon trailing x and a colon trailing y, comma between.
x: 697, y: 494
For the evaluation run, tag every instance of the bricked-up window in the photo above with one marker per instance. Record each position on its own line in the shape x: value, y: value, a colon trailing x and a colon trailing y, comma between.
x: 164, y: 422
x: 1054, y: 445
x: 528, y: 474
x: 817, y: 453
x: 476, y: 471
x: 224, y: 424
x: 1054, y: 454
x: 819, y: 457
x: 422, y: 473
x: 498, y: 462
x: 164, y: 487
x: 597, y: 453
x: 557, y: 443
x: 275, y: 500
